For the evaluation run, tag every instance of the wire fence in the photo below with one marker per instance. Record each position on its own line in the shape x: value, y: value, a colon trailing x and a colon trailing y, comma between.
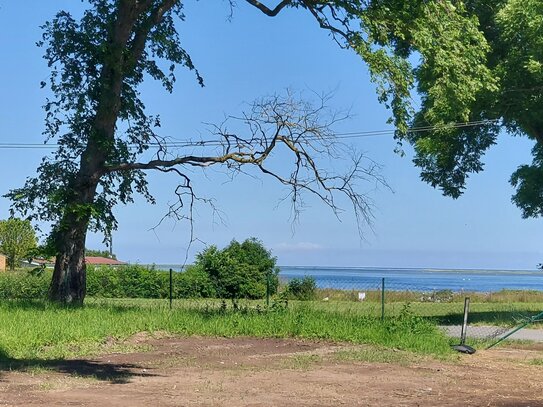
x: 491, y: 314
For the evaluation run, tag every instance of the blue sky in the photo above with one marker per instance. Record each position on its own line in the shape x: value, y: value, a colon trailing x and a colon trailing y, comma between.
x: 242, y: 59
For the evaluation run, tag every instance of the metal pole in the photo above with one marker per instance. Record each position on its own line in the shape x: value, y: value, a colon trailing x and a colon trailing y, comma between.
x: 268, y: 289
x: 465, y: 323
x: 171, y: 287
x: 383, y: 299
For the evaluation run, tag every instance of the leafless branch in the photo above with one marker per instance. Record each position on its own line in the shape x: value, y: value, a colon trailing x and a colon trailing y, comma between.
x: 288, y: 139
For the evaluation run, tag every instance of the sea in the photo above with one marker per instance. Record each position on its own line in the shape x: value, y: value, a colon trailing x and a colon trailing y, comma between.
x: 413, y: 279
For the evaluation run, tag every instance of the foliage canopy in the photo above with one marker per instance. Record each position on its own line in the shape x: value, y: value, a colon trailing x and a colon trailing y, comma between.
x: 512, y: 29
x: 240, y: 270
x: 17, y: 240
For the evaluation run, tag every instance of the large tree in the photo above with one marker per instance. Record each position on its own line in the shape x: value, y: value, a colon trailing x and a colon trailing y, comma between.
x: 103, y: 131
x: 447, y: 155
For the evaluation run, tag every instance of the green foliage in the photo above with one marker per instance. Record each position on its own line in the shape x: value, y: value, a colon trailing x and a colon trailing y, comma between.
x: 241, y: 270
x: 303, y: 289
x: 194, y: 282
x: 131, y: 281
x: 37, y: 330
x: 512, y: 52
x: 96, y: 80
x: 84, y: 92
x: 17, y: 240
x: 22, y: 285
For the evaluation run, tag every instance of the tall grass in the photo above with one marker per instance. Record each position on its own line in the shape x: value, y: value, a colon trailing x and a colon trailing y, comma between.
x: 38, y: 330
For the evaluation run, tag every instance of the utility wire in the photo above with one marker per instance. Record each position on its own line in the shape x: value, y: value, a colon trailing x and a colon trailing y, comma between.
x: 217, y: 143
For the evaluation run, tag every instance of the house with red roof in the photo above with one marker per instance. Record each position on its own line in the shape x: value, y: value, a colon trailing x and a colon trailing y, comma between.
x: 103, y: 261
x: 90, y: 260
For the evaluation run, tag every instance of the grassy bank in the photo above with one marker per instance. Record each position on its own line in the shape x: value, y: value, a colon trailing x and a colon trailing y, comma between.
x: 38, y: 330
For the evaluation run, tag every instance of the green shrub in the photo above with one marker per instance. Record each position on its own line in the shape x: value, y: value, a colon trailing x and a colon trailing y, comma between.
x: 21, y: 284
x: 193, y: 282
x: 130, y: 281
x: 304, y: 289
x: 241, y: 270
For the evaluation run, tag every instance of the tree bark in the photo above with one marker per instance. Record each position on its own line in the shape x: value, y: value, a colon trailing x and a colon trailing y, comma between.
x: 69, y: 283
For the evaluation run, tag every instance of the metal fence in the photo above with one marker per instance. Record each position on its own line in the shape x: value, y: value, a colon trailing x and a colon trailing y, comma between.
x: 491, y: 314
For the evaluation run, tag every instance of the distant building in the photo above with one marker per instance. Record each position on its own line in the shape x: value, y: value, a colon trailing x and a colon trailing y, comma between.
x: 3, y: 262
x: 94, y: 260
x: 103, y: 261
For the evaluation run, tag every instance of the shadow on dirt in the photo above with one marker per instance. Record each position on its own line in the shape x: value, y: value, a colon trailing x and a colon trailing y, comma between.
x: 115, y: 373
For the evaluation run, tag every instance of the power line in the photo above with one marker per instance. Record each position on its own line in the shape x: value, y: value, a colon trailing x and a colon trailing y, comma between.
x: 217, y: 143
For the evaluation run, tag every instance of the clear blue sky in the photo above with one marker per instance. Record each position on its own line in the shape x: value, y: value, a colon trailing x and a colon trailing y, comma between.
x: 243, y: 59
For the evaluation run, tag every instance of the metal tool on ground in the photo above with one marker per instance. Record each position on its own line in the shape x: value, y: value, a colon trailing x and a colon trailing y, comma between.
x: 462, y: 347
x: 531, y: 320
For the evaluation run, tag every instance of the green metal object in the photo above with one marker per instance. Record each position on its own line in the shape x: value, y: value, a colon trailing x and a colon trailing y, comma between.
x: 383, y: 299
x: 171, y: 288
x: 462, y: 347
x: 530, y: 320
x: 268, y: 289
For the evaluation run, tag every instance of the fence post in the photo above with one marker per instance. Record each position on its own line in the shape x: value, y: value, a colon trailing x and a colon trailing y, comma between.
x: 383, y: 299
x: 268, y: 289
x: 171, y: 287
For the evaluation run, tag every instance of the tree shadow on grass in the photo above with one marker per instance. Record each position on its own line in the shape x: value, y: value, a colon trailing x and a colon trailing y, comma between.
x: 115, y: 373
x: 499, y: 318
x: 43, y: 305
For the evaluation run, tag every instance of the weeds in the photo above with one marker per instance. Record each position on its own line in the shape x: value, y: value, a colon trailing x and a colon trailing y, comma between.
x: 43, y: 331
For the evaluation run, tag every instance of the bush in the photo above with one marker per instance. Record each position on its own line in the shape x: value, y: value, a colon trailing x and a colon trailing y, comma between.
x: 22, y: 285
x: 303, y: 289
x: 194, y: 282
x: 241, y: 270
x: 130, y: 281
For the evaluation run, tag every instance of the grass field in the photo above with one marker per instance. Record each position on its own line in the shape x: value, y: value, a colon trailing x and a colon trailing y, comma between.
x: 501, y: 309
x: 38, y: 330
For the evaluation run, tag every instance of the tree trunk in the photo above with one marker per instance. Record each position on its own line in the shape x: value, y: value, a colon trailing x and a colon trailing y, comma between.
x: 69, y: 282
x: 68, y: 285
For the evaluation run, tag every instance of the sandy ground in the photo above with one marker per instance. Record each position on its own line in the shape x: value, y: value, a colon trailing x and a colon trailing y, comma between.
x: 273, y: 372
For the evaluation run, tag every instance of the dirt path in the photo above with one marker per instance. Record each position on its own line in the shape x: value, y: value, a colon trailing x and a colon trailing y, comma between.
x: 274, y: 372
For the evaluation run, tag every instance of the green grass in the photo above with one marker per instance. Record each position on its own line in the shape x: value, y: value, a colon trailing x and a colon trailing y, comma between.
x: 377, y: 355
x: 445, y: 313
x: 536, y: 362
x: 39, y: 330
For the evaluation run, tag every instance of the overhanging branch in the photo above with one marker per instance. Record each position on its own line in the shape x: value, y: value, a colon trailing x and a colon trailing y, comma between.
x: 288, y: 139
x: 266, y: 10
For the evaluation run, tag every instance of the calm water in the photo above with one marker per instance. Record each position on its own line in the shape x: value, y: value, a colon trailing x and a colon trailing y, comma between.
x: 412, y: 279
x: 419, y: 279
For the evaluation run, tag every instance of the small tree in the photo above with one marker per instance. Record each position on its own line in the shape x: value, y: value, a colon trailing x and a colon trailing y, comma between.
x: 17, y: 240
x: 240, y: 270
x: 303, y: 289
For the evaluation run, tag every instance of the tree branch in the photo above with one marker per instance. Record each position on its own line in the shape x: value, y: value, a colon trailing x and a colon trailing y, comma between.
x: 278, y: 126
x: 269, y: 12
x: 142, y: 33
